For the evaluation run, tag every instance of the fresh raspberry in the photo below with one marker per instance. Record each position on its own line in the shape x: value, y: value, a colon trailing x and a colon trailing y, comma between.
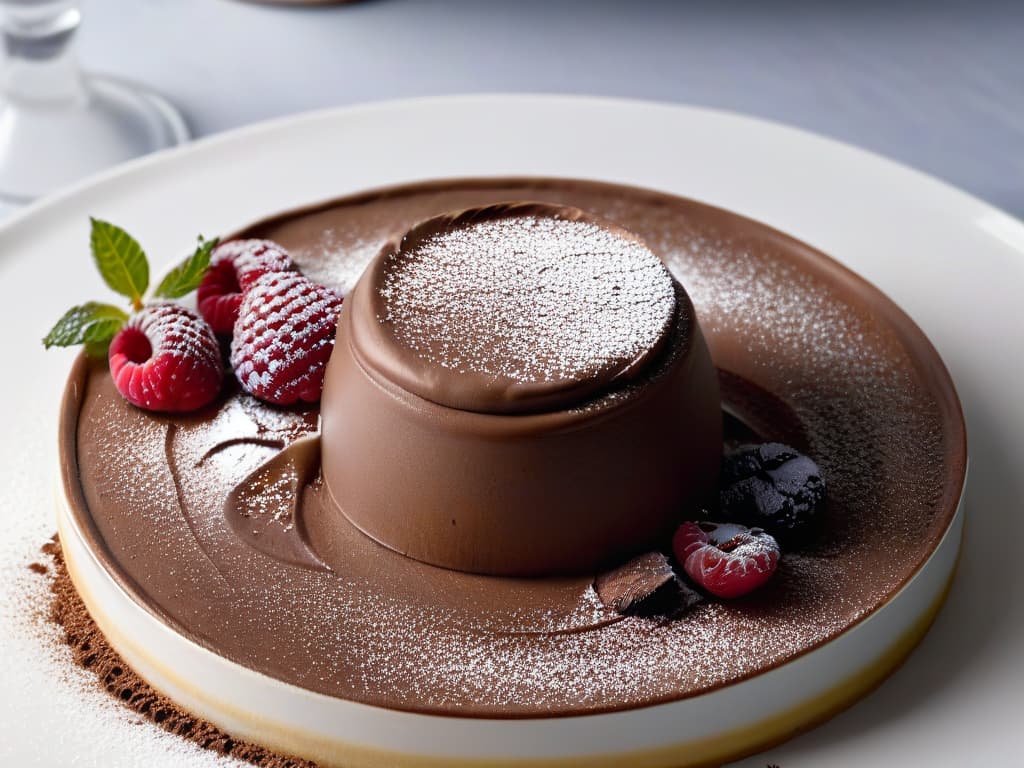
x: 725, y: 559
x: 774, y: 487
x: 234, y: 267
x: 284, y: 337
x: 166, y: 358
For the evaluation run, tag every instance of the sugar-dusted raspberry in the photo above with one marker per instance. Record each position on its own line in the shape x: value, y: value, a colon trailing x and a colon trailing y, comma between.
x: 234, y: 267
x: 775, y: 487
x: 284, y: 337
x: 725, y: 559
x: 166, y: 358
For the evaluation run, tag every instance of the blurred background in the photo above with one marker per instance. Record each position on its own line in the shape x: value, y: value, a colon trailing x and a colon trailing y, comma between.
x: 938, y: 85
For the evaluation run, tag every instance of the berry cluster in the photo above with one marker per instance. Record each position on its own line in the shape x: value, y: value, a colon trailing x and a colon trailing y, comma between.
x: 234, y: 267
x: 770, y: 495
x: 165, y: 357
x: 281, y: 323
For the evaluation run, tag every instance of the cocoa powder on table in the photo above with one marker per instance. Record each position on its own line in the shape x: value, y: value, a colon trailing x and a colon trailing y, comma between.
x: 91, y: 651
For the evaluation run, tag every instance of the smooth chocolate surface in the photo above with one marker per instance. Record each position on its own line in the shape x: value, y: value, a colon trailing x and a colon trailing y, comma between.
x: 590, y: 416
x: 520, y: 308
x: 808, y: 354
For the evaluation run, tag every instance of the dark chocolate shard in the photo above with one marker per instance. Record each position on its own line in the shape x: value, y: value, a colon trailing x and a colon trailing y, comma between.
x: 646, y: 586
x: 669, y: 601
x: 632, y: 583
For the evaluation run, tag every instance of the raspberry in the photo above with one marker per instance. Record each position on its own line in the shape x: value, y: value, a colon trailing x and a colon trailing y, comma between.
x: 725, y: 559
x: 166, y: 358
x: 774, y: 487
x: 284, y: 337
x: 234, y: 267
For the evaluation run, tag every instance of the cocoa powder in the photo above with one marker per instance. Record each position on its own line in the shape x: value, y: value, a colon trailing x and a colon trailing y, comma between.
x: 91, y: 651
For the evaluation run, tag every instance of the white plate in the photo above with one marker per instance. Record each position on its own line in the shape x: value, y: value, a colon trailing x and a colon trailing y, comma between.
x: 955, y: 264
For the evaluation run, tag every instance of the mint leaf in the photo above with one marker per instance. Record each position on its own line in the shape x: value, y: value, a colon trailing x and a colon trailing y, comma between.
x: 120, y: 260
x: 97, y: 349
x: 91, y: 324
x: 186, y: 277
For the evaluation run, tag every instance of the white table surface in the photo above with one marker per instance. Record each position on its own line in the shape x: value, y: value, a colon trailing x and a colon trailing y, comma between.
x: 935, y: 84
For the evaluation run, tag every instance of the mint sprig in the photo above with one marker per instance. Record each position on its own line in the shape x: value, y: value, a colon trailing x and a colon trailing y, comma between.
x: 121, y: 261
x: 124, y: 267
x: 186, y: 277
x: 92, y: 324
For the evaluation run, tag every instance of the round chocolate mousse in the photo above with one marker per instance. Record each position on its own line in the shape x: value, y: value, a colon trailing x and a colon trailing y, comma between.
x: 519, y: 389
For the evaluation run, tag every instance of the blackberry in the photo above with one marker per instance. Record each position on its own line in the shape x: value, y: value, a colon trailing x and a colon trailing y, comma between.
x: 774, y: 487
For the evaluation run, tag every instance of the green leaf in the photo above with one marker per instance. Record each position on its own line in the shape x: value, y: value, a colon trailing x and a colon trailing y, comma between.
x: 120, y: 260
x: 186, y: 277
x: 97, y: 349
x: 91, y: 324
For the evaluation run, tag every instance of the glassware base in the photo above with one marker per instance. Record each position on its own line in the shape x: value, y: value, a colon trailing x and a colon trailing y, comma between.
x: 46, y: 145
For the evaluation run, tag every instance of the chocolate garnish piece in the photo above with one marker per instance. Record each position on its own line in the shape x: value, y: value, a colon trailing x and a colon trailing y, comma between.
x: 630, y: 584
x: 669, y: 602
x: 645, y: 586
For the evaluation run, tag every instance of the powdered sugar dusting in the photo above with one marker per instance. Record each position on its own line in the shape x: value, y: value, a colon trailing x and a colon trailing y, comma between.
x: 251, y: 259
x: 378, y: 630
x: 337, y: 259
x: 177, y: 332
x: 527, y: 299
x: 284, y: 337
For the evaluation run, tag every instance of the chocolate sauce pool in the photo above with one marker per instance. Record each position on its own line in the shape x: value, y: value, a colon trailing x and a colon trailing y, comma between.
x: 808, y: 353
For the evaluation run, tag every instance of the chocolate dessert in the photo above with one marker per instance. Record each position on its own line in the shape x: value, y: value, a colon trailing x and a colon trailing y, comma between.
x: 435, y: 537
x: 519, y: 390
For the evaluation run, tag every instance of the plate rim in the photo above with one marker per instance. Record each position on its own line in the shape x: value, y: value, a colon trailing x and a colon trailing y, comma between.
x: 211, y: 142
x: 960, y: 205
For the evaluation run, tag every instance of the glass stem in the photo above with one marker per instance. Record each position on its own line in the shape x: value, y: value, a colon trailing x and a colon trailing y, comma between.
x: 39, y: 64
